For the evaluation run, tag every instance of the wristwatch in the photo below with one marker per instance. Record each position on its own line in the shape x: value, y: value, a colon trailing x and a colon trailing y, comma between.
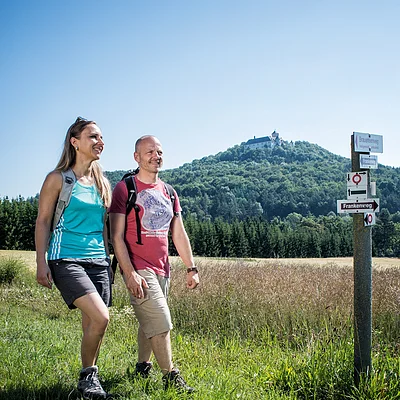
x: 192, y: 269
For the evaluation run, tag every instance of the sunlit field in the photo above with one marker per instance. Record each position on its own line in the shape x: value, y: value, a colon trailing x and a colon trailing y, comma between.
x: 253, y: 329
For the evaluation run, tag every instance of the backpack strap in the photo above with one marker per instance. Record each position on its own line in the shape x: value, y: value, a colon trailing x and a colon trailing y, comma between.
x: 130, y: 173
x: 171, y: 194
x: 131, y: 204
x: 130, y: 183
x: 68, y: 182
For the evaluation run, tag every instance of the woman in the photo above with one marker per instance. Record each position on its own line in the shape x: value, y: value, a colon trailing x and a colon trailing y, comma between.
x: 77, y: 253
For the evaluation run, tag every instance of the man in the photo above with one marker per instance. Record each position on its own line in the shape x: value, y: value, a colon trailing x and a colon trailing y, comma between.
x: 145, y: 267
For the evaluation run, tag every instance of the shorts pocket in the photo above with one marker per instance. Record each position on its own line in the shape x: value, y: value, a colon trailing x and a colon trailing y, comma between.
x: 137, y: 302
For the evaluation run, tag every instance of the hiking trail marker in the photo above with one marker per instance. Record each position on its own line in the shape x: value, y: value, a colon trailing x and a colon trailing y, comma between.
x: 363, y: 209
x: 369, y: 219
x: 355, y: 207
x: 357, y: 183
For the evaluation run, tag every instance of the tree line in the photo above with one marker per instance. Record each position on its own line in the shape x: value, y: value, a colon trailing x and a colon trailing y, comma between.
x: 293, y: 236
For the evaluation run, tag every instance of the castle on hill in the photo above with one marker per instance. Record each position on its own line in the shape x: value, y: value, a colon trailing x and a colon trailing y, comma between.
x: 265, y: 141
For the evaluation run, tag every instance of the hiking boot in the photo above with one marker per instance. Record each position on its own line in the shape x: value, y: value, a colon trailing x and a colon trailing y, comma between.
x: 89, y: 385
x: 143, y: 369
x: 174, y: 379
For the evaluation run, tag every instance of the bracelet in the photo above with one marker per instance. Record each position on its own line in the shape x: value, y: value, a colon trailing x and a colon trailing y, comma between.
x: 192, y: 269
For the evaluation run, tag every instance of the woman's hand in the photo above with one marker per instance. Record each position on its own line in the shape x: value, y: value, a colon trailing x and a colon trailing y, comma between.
x: 43, y: 275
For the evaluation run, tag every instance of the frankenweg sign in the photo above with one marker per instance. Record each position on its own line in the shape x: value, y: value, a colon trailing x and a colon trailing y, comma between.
x: 365, y: 206
x: 367, y: 143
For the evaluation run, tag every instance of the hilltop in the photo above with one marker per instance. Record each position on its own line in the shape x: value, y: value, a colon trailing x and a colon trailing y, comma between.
x: 271, y: 181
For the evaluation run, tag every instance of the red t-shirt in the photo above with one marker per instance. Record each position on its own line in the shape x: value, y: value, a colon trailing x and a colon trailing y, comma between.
x: 155, y: 216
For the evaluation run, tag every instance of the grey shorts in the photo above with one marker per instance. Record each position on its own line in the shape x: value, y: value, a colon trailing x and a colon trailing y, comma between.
x: 75, y: 278
x: 152, y: 311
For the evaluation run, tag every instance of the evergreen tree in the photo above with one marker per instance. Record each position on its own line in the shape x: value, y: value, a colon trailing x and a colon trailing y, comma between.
x: 240, y: 245
x: 223, y: 237
x: 384, y: 234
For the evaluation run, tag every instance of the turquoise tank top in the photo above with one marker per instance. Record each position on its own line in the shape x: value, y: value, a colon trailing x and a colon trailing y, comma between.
x: 79, y: 233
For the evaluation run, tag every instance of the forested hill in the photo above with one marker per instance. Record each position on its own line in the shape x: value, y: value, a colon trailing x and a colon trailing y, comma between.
x: 295, y: 177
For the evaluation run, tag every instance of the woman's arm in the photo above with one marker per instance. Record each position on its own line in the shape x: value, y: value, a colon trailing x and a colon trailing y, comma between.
x: 47, y: 202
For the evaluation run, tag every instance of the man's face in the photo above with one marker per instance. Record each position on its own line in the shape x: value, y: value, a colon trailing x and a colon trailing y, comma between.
x: 149, y: 155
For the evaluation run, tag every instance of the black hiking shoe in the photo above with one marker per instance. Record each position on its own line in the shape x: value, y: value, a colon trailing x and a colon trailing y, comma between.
x: 143, y: 369
x: 89, y: 385
x: 173, y: 379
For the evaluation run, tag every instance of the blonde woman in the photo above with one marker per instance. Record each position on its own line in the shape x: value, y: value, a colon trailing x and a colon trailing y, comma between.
x: 77, y: 259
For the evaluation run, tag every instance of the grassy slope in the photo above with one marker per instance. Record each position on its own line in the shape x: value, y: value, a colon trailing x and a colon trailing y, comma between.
x: 254, y: 329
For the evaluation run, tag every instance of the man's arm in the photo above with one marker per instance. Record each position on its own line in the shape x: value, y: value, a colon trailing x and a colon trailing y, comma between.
x: 134, y: 282
x: 182, y: 245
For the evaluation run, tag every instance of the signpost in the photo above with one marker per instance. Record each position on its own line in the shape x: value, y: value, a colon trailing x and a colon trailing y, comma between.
x: 362, y: 260
x: 363, y: 209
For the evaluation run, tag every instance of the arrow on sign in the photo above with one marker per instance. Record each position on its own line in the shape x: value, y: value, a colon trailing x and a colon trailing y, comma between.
x: 358, y: 192
x: 369, y: 219
x: 359, y: 205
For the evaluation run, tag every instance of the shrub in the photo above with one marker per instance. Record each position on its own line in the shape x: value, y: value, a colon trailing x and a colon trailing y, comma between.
x: 10, y: 269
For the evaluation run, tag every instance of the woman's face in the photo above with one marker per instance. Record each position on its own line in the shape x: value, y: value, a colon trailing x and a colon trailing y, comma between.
x: 90, y: 143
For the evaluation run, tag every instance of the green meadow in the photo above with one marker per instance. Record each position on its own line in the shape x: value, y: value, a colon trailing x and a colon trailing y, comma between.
x: 253, y: 329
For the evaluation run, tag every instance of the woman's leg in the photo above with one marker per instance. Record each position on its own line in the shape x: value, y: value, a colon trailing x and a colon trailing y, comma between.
x: 95, y: 318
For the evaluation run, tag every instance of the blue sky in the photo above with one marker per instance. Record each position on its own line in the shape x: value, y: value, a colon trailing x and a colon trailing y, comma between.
x: 201, y: 75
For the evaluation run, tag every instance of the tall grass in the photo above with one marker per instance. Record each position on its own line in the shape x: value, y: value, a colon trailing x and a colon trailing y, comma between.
x: 10, y: 268
x: 251, y: 330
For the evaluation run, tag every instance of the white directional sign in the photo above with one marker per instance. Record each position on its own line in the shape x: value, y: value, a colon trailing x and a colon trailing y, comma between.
x: 369, y: 219
x: 357, y: 179
x: 357, y: 185
x: 353, y: 207
x: 357, y: 193
x: 367, y: 143
x: 368, y: 161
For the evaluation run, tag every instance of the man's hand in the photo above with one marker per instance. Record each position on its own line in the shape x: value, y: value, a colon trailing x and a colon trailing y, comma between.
x: 135, y: 284
x: 192, y: 280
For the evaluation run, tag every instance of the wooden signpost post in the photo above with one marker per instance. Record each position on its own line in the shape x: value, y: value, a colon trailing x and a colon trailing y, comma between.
x: 363, y: 209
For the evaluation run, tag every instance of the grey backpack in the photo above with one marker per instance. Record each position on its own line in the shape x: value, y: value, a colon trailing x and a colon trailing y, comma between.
x: 69, y: 180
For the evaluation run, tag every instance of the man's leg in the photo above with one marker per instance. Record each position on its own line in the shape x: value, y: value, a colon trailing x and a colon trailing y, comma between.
x: 171, y: 376
x: 144, y: 347
x: 161, y: 345
x: 154, y: 316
